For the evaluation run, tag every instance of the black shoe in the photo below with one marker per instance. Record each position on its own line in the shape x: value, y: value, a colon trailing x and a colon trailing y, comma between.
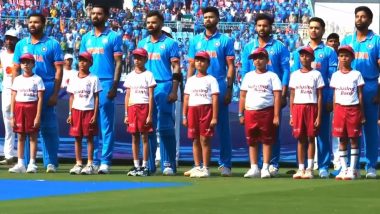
x: 144, y: 171
x: 133, y: 171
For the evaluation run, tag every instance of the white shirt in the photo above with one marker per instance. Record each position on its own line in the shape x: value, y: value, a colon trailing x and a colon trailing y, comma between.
x: 305, y: 86
x: 67, y: 74
x: 260, y: 89
x: 201, y: 89
x: 6, y: 60
x: 83, y: 90
x: 27, y: 88
x: 346, y: 87
x: 139, y: 85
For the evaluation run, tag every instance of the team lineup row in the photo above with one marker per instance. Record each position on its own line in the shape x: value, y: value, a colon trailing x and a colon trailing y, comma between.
x: 212, y: 53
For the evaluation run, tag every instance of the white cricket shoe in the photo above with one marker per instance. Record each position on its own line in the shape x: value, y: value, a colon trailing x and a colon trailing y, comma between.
x: 104, y: 169
x: 350, y: 175
x: 309, y: 174
x: 189, y: 172
x: 18, y: 168
x: 50, y: 168
x: 299, y: 174
x: 168, y: 171
x: 341, y: 174
x: 252, y: 173
x: 196, y: 172
x: 88, y: 170
x: 265, y: 173
x: 371, y: 173
x: 204, y: 173
x: 225, y: 171
x: 76, y: 169
x: 32, y: 168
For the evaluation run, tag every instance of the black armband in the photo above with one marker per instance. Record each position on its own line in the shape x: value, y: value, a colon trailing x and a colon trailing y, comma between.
x: 177, y: 76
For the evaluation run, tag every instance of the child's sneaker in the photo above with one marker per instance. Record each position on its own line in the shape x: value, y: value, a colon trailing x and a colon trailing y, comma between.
x: 133, y: 171
x: 143, y: 171
x: 76, y: 169
x: 299, y: 174
x: 252, y: 173
x: 32, y: 168
x: 188, y: 172
x: 341, y: 174
x: 18, y: 168
x: 88, y: 170
x: 196, y: 173
x: 204, y: 173
x: 309, y: 174
x: 265, y: 173
x: 350, y: 175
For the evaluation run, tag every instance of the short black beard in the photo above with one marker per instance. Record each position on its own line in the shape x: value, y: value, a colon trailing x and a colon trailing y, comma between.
x: 37, y: 32
x: 154, y: 31
x: 98, y: 23
x: 362, y: 27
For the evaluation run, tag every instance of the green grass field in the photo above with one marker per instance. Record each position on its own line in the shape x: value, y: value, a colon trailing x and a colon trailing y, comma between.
x: 212, y: 195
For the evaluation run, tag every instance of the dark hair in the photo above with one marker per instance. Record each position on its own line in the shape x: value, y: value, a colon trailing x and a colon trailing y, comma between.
x: 264, y: 16
x: 333, y: 36
x: 211, y: 10
x: 42, y: 17
x: 319, y: 20
x: 155, y: 13
x: 106, y: 9
x: 366, y: 10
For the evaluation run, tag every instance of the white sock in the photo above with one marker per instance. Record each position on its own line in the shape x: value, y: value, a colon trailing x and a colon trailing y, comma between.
x: 20, y: 162
x: 265, y: 166
x: 144, y: 163
x: 32, y: 161
x: 89, y: 163
x: 343, y: 159
x: 136, y: 163
x: 301, y: 166
x: 254, y: 166
x: 354, y: 158
x: 310, y: 163
x: 79, y: 163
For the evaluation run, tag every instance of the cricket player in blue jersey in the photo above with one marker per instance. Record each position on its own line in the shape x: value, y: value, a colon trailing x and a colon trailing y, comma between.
x: 278, y: 63
x: 221, y: 50
x: 164, y: 63
x: 325, y: 61
x: 49, y: 66
x: 366, y: 45
x: 105, y: 46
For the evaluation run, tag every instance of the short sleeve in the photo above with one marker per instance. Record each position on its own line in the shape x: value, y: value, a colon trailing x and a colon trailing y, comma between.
x: 214, y: 86
x: 174, y: 51
x: 320, y: 82
x: 333, y: 80
x: 58, y: 54
x: 361, y: 80
x: 83, y: 44
x: 276, y: 83
x: 14, y: 85
x: 17, y: 53
x: 244, y: 84
x: 118, y: 44
x: 230, y: 52
x: 191, y: 53
x: 40, y: 85
x: 126, y: 82
x: 292, y: 80
x: 188, y: 87
x: 151, y: 81
x: 97, y: 86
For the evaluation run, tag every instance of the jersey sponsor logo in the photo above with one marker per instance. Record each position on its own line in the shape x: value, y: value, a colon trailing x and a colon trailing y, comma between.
x: 39, y: 58
x: 154, y: 56
x: 96, y: 50
x: 361, y: 55
x: 212, y: 54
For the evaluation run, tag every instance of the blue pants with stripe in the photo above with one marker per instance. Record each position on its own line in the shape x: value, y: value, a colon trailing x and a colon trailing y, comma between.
x: 163, y: 124
x: 323, y: 140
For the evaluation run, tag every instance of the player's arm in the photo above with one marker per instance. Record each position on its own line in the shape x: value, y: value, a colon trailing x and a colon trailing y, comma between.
x: 317, y: 122
x: 149, y: 119
x: 333, y: 63
x: 185, y: 109
x: 230, y: 80
x: 361, y: 104
x: 126, y: 101
x: 37, y: 119
x: 57, y: 84
x: 118, y: 65
x: 291, y: 101
x: 285, y: 70
x: 243, y: 95
x: 277, y: 107
x: 176, y: 80
x: 215, y: 109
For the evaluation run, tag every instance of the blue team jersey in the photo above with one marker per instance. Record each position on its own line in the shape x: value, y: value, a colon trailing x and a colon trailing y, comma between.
x: 278, y: 59
x: 326, y: 62
x: 47, y: 52
x: 220, y: 48
x: 367, y: 54
x: 160, y: 56
x: 103, y: 49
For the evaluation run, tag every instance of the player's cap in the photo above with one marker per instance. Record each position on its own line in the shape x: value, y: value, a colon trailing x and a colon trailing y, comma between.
x: 140, y: 51
x: 68, y: 56
x: 307, y: 49
x: 258, y: 52
x: 87, y: 56
x: 11, y: 32
x: 348, y: 49
x: 27, y: 56
x: 202, y: 54
x: 167, y: 30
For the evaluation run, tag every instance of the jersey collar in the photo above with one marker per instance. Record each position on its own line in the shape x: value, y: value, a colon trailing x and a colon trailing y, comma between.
x: 368, y: 37
x: 43, y: 39
x: 162, y: 38
x: 211, y: 37
x: 269, y: 43
x: 105, y: 32
x: 319, y: 46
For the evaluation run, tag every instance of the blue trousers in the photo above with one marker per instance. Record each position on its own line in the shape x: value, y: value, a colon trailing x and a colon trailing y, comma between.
x: 163, y: 124
x: 323, y: 140
x: 106, y: 119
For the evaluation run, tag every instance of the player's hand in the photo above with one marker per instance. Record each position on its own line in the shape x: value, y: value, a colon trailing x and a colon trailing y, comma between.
x: 184, y: 122
x: 317, y: 122
x: 213, y: 122
x: 291, y: 122
x: 93, y: 120
x: 329, y: 107
x: 148, y: 120
x: 53, y: 100
x: 36, y: 123
x: 68, y: 120
x: 284, y: 101
x: 276, y: 121
x: 112, y: 93
x: 241, y: 120
x: 228, y: 97
x: 376, y: 99
x: 126, y: 120
x: 172, y: 97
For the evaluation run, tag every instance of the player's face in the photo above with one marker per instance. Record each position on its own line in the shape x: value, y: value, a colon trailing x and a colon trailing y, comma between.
x: 362, y: 21
x: 153, y: 24
x: 201, y: 65
x: 98, y: 17
x: 315, y: 30
x: 334, y: 43
x: 10, y: 42
x: 306, y: 59
x: 263, y: 28
x: 84, y: 65
x: 27, y: 66
x: 139, y: 61
x: 345, y: 58
x: 260, y: 62
x: 210, y: 20
x: 35, y: 25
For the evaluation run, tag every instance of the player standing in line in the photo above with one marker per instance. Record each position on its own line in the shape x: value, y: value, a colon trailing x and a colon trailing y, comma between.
x: 84, y: 91
x: 278, y: 63
x: 348, y: 110
x: 26, y: 106
x: 139, y: 85
x: 306, y: 85
x: 6, y: 59
x: 366, y: 45
x: 221, y: 50
x: 105, y: 46
x: 200, y: 113
x: 259, y: 110
x: 48, y: 65
x: 163, y: 57
x: 325, y: 61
